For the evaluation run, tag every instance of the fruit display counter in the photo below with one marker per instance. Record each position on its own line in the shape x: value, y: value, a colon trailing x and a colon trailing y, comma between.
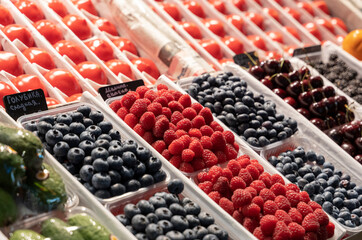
x: 148, y: 128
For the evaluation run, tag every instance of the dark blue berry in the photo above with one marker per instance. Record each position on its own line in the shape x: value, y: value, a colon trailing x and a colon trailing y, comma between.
x: 180, y: 223
x: 115, y: 135
x: 63, y: 128
x: 129, y: 159
x: 99, y: 152
x: 175, y: 235
x: 70, y: 168
x: 115, y: 162
x: 102, y: 193
x: 64, y: 118
x: 72, y: 140
x: 165, y: 225
x: 139, y: 169
x: 85, y: 110
x: 86, y: 173
x: 43, y: 127
x: 139, y: 222
x: 163, y: 213
x: 200, y: 232
x: 205, y: 219
x: 94, y: 130
x: 146, y: 180
x: 104, y: 136
x: 126, y: 173
x: 152, y: 218
x: 218, y: 232
x: 130, y: 210
x: 115, y: 177
x: 157, y: 202
x: 86, y: 136
x: 76, y: 128
x: 96, y: 116
x: 101, y: 181
x: 159, y: 176
x: 123, y: 219
x: 103, y: 143
x: 87, y: 146
x: 132, y: 185
x: 87, y: 122
x: 89, y: 187
x: 76, y: 156
x: 61, y: 149
x: 100, y: 165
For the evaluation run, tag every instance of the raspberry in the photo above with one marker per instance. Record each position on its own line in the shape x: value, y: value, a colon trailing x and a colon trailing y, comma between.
x: 206, y: 130
x: 270, y: 207
x: 258, y: 166
x: 244, y: 162
x: 148, y: 120
x: 231, y: 153
x: 155, y: 108
x: 216, y: 126
x: 237, y: 216
x: 168, y: 96
x: 198, y: 164
x: 267, y: 224
x: 258, y: 201
x: 177, y: 95
x: 266, y: 194
x: 206, y: 142
x: 234, y: 166
x: 265, y: 177
x: 293, y: 198
x: 206, y: 186
x: 138, y: 108
x: 187, y: 155
x: 240, y: 198
x: 304, y: 208
x: 245, y: 175
x: 310, y: 223
x: 227, y: 205
x: 254, y: 173
x: 162, y: 86
x: 131, y: 120
x: 257, y: 185
x: 221, y: 156
x: 258, y: 233
x: 176, y: 147
x: 282, y: 203
x: 314, y: 205
x: 147, y: 101
x: 160, y: 127
x: 252, y: 191
x: 295, y: 215
x: 276, y: 178
x: 237, y: 183
x: 283, y: 216
x: 148, y: 137
x: 189, y: 113
x: 197, y: 106
x: 175, y: 106
x: 169, y: 136
x: 142, y: 90
x: 218, y: 141
x: 215, y: 196
x: 215, y: 172
x: 203, y: 176
x: 159, y: 145
x: 322, y: 233
x: 221, y: 185
x: 198, y: 122
x: 194, y: 132
x: 122, y: 112
x: 293, y: 187
x: 185, y: 100
x: 180, y: 133
x: 281, y: 231
x: 167, y: 112
x: 278, y: 189
x: 176, y: 117
x: 160, y: 117
x: 151, y: 95
x: 229, y: 137
x: 330, y: 229
x: 227, y: 173
x: 236, y: 146
x: 197, y: 148
x: 209, y: 158
x: 186, y: 140
x: 304, y: 196
x: 172, y: 127
x: 310, y: 236
x: 166, y: 154
x: 128, y: 99
x: 115, y: 105
x: 322, y: 217
x: 186, y: 167
x: 184, y: 124
x: 297, y: 232
x: 207, y: 115
x: 251, y: 210
x: 176, y: 160
x: 161, y: 100
x: 250, y: 224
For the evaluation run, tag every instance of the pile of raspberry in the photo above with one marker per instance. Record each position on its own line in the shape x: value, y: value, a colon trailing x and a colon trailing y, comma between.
x: 263, y: 203
x: 184, y: 133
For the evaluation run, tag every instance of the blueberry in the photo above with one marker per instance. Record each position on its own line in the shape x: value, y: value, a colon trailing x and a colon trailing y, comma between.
x: 87, y: 146
x: 163, y: 213
x: 139, y: 169
x: 130, y: 210
x: 76, y: 128
x: 146, y: 180
x: 126, y: 173
x: 129, y: 159
x: 96, y: 116
x: 328, y: 171
x: 99, y: 152
x: 248, y: 101
x: 309, y: 177
x: 102, y: 193
x: 346, y: 177
x: 115, y: 177
x: 328, y: 207
x: 352, y: 194
x: 200, y: 231
x: 287, y: 168
x: 291, y: 177
x: 328, y: 165
x: 157, y: 202
x: 76, y: 156
x: 104, y: 136
x: 171, y: 198
x: 345, y: 215
x: 319, y: 199
x: 165, y: 225
x: 87, y: 122
x: 101, y: 181
x: 94, y: 130
x: 86, y: 173
x: 152, y: 218
x: 141, y: 236
x: 61, y: 149
x: 344, y: 184
x: 123, y: 219
x: 350, y: 204
x: 360, y: 199
x: 316, y: 170
x: 180, y: 223
x: 139, y: 222
x: 273, y: 160
x: 72, y: 139
x: 282, y: 135
x: 31, y: 126
x: 189, y: 234
x: 355, y: 219
x: 320, y: 160
x: 64, y: 118
x: 253, y: 141
x: 145, y: 206
x: 328, y: 196
x: 205, y: 219
x: 103, y: 143
x: 115, y: 162
x: 254, y: 124
x: 89, y: 187
x: 263, y: 141
x: 86, y: 136
x: 100, y: 165
x: 153, y: 165
x: 302, y: 182
x: 115, y: 150
x: 177, y: 209
x: 85, y: 110
x: 63, y: 128
x: 70, y: 168
x: 323, y: 176
x: 115, y: 143
x: 338, y: 195
x: 132, y: 185
x: 218, y: 232
x: 329, y: 189
x: 175, y: 186
x: 309, y: 188
x: 303, y: 171
x: 43, y: 127
x: 159, y: 176
x: 175, y: 235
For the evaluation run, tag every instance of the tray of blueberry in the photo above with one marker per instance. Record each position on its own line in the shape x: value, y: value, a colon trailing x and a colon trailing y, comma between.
x: 98, y: 154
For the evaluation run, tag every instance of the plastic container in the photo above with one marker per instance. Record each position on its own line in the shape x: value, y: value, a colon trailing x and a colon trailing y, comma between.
x: 331, y: 155
x: 72, y: 107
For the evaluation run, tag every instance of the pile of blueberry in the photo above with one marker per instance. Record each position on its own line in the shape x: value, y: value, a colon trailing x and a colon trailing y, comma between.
x: 329, y: 187
x: 91, y: 150
x: 166, y: 216
x: 244, y: 112
x: 345, y: 78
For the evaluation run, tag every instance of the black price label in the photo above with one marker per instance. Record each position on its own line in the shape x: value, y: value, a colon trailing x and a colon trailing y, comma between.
x: 119, y: 89
x: 247, y: 59
x: 19, y: 104
x: 307, y: 50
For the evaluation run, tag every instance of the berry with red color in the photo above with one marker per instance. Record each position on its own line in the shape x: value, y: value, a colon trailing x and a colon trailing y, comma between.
x: 267, y: 224
x: 304, y: 196
x: 155, y: 108
x: 198, y: 164
x: 206, y: 186
x: 258, y: 201
x: 169, y: 136
x: 293, y: 187
x: 166, y: 154
x: 245, y: 175
x: 197, y: 148
x: 282, y: 203
x: 238, y: 217
x: 295, y: 215
x: 175, y: 160
x: 207, y: 115
x: 148, y: 120
x: 270, y: 207
x: 254, y: 172
x: 293, y: 198
x: 304, y: 208
x: 115, y: 106
x: 278, y: 189
x: 265, y: 177
x: 139, y: 129
x: 167, y: 112
x: 185, y: 100
x: 160, y: 127
x: 203, y: 176
x: 187, y: 155
x: 218, y: 141
x: 310, y: 236
x: 227, y: 205
x: 176, y: 147
x: 281, y: 231
x: 221, y: 185
x: 221, y: 156
x: 159, y: 146
x: 252, y: 191
x: 206, y: 142
x: 176, y: 117
x: 250, y: 224
x: 258, y: 166
x: 322, y: 233
x: 227, y: 173
x: 206, y: 130
x: 237, y: 183
x: 297, y: 232
x: 276, y: 178
x: 151, y: 95
x: 229, y: 137
x: 194, y: 132
x: 310, y: 223
x: 283, y: 216
x: 148, y: 137
x: 186, y: 167
x: 131, y: 120
x: 314, y: 205
x: 198, y: 122
x: 184, y: 124
x: 128, y: 99
x: 251, y: 210
x: 189, y: 113
x: 197, y: 106
x: 240, y: 198
x: 330, y: 229
x: 244, y: 162
x: 175, y: 106
x: 231, y: 153
x: 234, y: 166
x: 266, y: 194
x: 215, y: 196
x: 258, y: 233
x: 142, y: 90
x: 322, y: 217
x: 209, y: 158
x: 257, y: 185
x: 215, y: 126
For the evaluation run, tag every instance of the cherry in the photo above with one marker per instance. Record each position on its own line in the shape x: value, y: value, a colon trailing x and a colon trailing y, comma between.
x: 318, y: 108
x: 285, y: 66
x: 317, y: 94
x: 294, y: 76
x: 306, y: 86
x: 257, y: 72
x: 294, y: 89
x: 316, y: 81
x: 358, y: 142
x: 341, y: 102
x: 280, y: 92
x: 331, y: 105
x: 328, y: 91
x: 304, y: 112
x: 359, y: 158
x: 267, y: 82
x: 340, y: 117
x: 319, y: 123
x: 291, y: 101
x: 271, y: 66
x: 336, y: 135
x: 351, y: 131
x: 282, y: 80
x: 349, y: 148
x: 330, y: 122
x: 305, y: 99
x: 304, y: 72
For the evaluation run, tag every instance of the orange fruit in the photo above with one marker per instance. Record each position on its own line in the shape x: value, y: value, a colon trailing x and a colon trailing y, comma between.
x: 352, y: 43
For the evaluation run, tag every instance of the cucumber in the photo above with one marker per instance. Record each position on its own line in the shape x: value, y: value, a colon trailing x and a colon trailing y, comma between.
x: 8, y: 209
x: 26, y: 235
x: 89, y: 228
x: 45, y: 195
x: 26, y: 144
x: 12, y: 169
x: 56, y: 229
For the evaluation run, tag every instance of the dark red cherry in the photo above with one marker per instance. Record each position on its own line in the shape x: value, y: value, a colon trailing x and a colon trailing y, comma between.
x: 305, y: 99
x: 304, y: 72
x: 358, y: 158
x: 294, y: 76
x: 271, y: 66
x: 317, y: 94
x: 340, y: 118
x: 291, y: 101
x: 331, y: 105
x: 336, y: 135
x: 304, y: 112
x: 282, y: 80
x: 257, y: 72
x: 329, y: 91
x: 330, y: 122
x: 318, y: 108
x: 351, y: 131
x: 280, y: 92
x: 358, y: 143
x: 294, y: 89
x: 316, y: 81
x: 341, y: 102
x: 319, y: 123
x: 285, y: 66
x: 267, y: 82
x: 349, y: 148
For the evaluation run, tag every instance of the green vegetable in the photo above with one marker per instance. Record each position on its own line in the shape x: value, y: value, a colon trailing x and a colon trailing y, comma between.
x: 26, y: 144
x: 26, y: 235
x: 45, y: 195
x: 8, y: 210
x: 12, y: 169
x: 56, y: 229
x: 89, y: 228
